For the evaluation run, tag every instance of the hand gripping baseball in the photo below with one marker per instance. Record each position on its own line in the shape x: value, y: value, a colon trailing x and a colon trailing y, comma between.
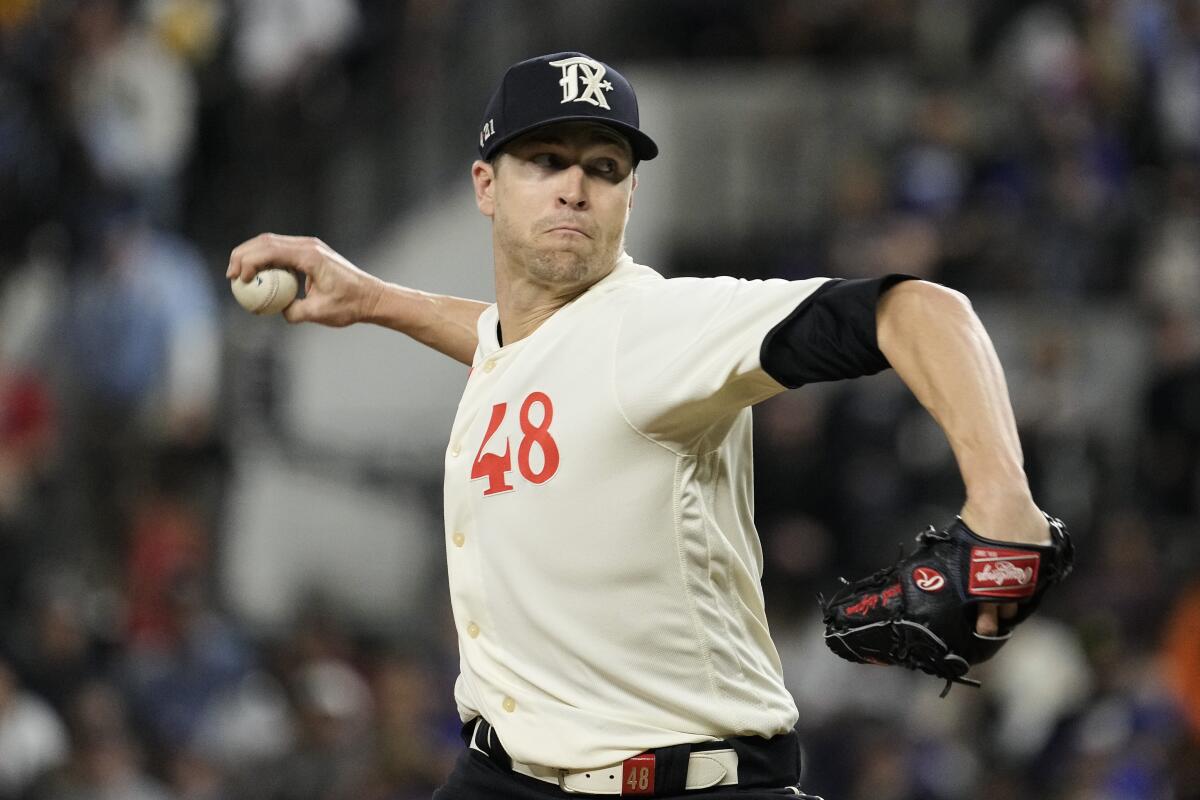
x: 336, y: 293
x: 920, y: 612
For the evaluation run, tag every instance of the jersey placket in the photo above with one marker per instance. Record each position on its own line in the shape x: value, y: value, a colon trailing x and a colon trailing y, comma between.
x: 465, y: 549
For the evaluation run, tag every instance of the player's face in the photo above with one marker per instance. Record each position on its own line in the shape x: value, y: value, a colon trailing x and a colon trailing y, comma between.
x: 559, y: 199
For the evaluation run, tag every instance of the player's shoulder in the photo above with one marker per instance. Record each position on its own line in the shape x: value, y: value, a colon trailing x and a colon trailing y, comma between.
x: 633, y: 284
x: 631, y: 278
x: 626, y: 275
x: 722, y: 288
x: 639, y: 288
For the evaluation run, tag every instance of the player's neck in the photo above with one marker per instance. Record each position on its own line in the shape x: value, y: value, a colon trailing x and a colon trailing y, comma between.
x: 524, y: 306
x: 524, y: 302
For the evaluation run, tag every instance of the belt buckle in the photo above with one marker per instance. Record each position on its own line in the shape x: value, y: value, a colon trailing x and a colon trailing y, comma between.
x: 562, y: 785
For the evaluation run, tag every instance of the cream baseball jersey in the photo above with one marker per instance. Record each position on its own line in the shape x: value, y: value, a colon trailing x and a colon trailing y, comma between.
x: 603, y: 562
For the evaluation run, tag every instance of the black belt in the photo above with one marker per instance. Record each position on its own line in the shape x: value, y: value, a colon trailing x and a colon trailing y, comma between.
x: 745, y: 761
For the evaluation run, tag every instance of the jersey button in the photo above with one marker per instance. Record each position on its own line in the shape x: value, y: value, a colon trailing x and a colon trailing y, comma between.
x: 489, y: 365
x: 509, y: 705
x: 455, y: 450
x: 473, y: 630
x: 458, y: 539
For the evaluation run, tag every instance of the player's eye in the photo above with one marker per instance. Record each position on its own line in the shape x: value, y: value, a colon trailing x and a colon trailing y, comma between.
x: 547, y: 160
x: 610, y: 169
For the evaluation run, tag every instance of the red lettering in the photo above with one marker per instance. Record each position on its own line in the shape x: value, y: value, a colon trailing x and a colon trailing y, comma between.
x: 496, y: 466
x: 870, y: 601
x: 493, y: 466
x: 539, y: 435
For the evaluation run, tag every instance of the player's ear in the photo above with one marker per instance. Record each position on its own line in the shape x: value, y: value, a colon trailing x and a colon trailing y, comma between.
x: 632, y: 189
x: 483, y: 175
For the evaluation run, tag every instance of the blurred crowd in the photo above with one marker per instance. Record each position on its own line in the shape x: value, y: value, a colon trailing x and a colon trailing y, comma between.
x: 1049, y: 159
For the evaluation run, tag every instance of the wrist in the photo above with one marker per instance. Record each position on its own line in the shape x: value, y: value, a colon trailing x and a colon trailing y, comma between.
x: 1008, y: 514
x: 1014, y: 498
x: 372, y: 306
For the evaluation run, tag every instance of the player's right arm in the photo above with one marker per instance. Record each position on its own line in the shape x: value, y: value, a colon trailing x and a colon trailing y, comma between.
x: 338, y: 294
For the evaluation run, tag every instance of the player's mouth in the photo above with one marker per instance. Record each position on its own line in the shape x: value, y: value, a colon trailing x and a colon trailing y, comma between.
x: 569, y: 230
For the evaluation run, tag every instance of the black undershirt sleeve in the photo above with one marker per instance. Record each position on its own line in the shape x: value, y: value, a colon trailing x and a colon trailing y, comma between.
x: 830, y: 336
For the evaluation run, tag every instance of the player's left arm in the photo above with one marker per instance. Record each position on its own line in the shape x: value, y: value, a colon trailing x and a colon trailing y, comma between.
x: 934, y: 341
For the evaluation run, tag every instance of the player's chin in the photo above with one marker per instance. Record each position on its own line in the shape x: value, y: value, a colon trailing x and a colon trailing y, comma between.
x: 563, y: 267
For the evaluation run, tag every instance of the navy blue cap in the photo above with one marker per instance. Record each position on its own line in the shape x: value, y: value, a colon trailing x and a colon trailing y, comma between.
x: 561, y: 87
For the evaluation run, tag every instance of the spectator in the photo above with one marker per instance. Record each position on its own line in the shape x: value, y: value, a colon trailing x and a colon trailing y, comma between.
x: 105, y: 759
x: 61, y: 647
x: 32, y: 737
x: 409, y: 762
x: 144, y: 351
x: 1181, y: 656
x: 176, y: 674
x: 330, y: 759
x: 28, y: 433
x: 133, y: 103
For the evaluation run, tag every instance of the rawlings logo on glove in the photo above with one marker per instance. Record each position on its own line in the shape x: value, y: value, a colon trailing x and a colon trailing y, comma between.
x: 928, y: 580
x: 993, y: 572
x: 905, y: 615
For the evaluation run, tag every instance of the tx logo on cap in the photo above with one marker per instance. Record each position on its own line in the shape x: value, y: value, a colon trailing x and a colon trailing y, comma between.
x: 591, y: 73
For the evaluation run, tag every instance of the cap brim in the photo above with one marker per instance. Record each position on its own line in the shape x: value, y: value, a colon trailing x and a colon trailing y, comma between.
x: 643, y: 146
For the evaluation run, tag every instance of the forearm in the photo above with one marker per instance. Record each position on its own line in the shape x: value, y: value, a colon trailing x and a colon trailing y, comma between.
x: 447, y: 324
x: 939, y: 348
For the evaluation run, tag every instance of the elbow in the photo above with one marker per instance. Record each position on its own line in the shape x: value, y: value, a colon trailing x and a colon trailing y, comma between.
x: 936, y: 297
x: 954, y: 300
x: 953, y: 305
x: 922, y: 299
x: 912, y: 308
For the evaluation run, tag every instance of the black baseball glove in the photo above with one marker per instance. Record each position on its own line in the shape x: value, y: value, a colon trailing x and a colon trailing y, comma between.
x: 920, y: 612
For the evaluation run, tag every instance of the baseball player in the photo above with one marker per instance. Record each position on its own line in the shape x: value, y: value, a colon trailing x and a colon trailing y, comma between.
x: 603, y: 563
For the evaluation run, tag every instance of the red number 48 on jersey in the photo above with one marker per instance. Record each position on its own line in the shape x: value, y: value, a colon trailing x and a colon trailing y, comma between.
x: 496, y: 466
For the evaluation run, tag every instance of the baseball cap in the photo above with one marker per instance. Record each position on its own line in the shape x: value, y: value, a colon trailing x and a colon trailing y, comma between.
x: 561, y: 87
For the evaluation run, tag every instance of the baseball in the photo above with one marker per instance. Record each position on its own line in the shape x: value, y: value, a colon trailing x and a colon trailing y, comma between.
x: 268, y: 292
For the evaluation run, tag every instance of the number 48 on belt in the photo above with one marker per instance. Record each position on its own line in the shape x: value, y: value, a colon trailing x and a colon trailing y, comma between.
x: 637, y: 775
x: 496, y: 466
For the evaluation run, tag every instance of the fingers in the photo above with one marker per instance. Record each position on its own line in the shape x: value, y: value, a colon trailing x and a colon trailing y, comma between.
x: 333, y: 287
x: 309, y: 307
x: 296, y: 311
x: 300, y: 253
x: 986, y: 622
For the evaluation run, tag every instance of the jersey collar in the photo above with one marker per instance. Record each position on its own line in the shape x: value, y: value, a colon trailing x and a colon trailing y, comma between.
x: 625, y: 272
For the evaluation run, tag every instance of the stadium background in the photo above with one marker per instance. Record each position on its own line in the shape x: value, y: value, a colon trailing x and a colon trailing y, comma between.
x: 220, y: 542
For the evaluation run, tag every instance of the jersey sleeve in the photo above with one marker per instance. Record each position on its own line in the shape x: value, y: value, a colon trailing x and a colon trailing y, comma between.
x: 831, y: 335
x: 688, y: 353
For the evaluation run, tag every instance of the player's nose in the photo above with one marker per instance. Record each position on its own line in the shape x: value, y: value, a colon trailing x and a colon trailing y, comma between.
x: 572, y: 189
